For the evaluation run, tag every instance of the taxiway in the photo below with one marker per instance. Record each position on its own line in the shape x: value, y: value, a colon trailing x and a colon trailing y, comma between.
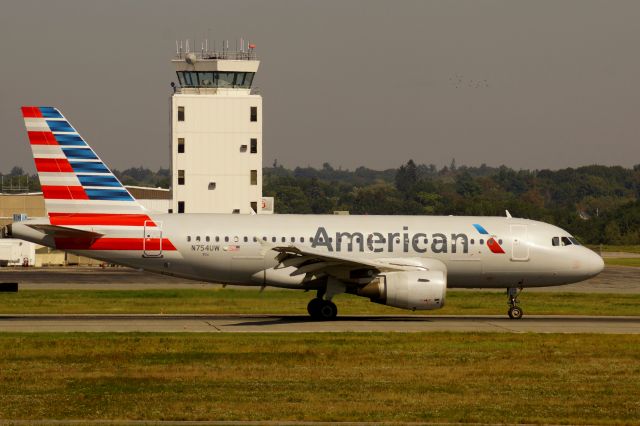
x: 299, y: 323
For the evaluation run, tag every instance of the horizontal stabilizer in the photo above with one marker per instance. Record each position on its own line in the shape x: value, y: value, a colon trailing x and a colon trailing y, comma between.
x: 64, y: 232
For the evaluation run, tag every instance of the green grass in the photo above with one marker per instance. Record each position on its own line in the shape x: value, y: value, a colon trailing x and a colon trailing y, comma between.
x: 625, y: 249
x: 225, y: 301
x: 622, y: 261
x: 435, y: 377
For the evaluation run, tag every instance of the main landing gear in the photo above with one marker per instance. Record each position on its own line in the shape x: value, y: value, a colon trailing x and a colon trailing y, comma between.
x: 322, y: 308
x: 515, y: 311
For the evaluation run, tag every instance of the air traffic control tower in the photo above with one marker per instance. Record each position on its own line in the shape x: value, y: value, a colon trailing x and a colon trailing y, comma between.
x: 216, y: 133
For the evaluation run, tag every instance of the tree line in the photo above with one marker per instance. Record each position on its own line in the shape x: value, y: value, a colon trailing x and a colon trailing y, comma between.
x: 597, y: 204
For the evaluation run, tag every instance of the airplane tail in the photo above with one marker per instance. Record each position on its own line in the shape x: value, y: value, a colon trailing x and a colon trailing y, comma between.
x: 78, y: 188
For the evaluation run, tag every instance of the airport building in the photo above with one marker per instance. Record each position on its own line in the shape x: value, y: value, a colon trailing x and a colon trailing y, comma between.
x: 216, y: 133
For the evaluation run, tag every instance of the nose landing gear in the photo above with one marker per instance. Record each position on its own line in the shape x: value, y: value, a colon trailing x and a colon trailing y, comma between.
x: 515, y: 311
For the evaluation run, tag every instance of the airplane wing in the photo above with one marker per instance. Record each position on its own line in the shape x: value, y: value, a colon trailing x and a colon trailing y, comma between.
x: 357, y: 269
x: 306, y: 254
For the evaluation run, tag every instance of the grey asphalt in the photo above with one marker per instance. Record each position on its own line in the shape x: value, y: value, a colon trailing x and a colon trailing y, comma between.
x: 614, y: 279
x: 299, y: 324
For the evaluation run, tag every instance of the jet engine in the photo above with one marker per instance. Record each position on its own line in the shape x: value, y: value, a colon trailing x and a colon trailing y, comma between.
x: 413, y: 290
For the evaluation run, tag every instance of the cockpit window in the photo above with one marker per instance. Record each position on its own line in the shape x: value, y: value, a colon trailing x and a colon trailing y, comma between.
x: 564, y: 241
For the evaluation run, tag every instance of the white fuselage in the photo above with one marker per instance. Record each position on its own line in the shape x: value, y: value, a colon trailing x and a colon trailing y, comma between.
x: 237, y: 249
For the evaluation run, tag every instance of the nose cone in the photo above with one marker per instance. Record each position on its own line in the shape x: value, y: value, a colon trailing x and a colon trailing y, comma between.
x: 592, y: 263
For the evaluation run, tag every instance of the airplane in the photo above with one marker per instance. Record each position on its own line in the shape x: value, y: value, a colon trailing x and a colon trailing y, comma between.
x: 407, y: 262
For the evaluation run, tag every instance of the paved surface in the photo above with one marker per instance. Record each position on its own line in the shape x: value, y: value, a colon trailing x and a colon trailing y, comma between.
x: 297, y: 323
x: 614, y: 279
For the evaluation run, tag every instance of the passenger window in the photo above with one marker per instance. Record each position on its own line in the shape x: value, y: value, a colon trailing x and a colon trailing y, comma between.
x: 284, y: 239
x: 555, y: 241
x: 273, y: 239
x: 217, y: 239
x: 500, y: 241
x: 188, y: 238
x: 302, y: 239
x: 481, y: 241
x: 293, y: 239
x: 226, y: 239
x: 207, y: 239
x: 198, y: 238
x: 473, y: 241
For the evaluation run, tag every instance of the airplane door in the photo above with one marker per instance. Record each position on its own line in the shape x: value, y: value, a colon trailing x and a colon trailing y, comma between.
x: 520, y: 246
x: 152, y: 239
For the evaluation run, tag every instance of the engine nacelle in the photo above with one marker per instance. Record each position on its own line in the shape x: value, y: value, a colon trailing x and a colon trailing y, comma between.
x: 413, y: 290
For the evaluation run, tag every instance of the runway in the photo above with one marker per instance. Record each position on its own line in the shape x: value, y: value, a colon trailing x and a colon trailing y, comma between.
x: 614, y: 279
x: 303, y: 324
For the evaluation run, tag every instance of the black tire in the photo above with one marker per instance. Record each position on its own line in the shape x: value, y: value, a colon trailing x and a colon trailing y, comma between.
x: 515, y: 312
x: 328, y: 311
x: 314, y: 308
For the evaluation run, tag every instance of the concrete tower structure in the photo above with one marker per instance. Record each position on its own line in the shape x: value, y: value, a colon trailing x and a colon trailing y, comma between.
x: 216, y: 133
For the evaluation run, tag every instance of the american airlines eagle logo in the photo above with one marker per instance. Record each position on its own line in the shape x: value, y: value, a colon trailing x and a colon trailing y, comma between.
x: 493, y: 245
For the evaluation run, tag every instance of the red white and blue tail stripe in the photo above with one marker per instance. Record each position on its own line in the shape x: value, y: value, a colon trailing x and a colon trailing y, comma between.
x: 72, y: 176
x: 88, y: 207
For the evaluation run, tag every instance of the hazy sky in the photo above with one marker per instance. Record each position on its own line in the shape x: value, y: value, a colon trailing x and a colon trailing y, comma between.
x: 529, y: 84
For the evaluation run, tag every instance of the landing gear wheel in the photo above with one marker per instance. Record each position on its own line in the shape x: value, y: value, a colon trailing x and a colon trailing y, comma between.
x: 320, y: 309
x: 515, y: 312
x: 314, y: 307
x: 328, y: 310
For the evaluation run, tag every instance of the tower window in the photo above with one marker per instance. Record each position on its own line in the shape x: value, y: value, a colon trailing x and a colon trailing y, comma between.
x: 254, y: 113
x: 180, y: 206
x: 254, y: 145
x: 180, y: 145
x: 180, y: 113
x: 180, y: 177
x: 254, y: 177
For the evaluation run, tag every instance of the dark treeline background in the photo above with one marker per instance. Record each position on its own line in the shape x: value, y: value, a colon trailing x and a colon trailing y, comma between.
x: 598, y: 204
